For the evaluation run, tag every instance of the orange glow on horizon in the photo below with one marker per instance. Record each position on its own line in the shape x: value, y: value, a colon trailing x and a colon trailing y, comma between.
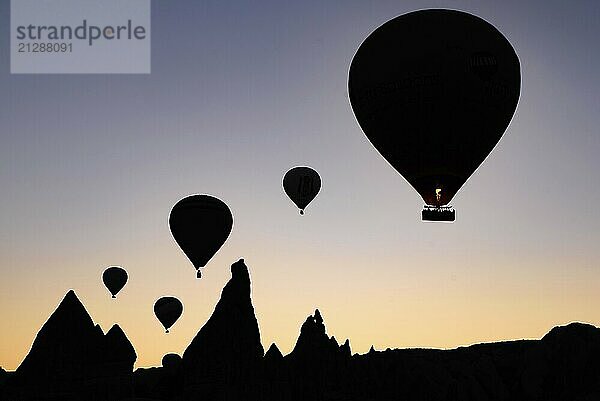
x: 388, y: 309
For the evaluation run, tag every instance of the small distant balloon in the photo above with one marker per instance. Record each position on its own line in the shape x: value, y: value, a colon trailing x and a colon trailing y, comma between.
x: 171, y: 361
x: 200, y: 224
x: 302, y: 184
x: 114, y: 279
x: 168, y: 310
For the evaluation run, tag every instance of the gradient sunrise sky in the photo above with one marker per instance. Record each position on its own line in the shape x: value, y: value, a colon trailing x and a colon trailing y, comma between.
x: 239, y: 93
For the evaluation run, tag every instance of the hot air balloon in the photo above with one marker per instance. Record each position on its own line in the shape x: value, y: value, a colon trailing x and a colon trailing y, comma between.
x: 200, y: 225
x: 302, y: 184
x: 168, y: 310
x: 434, y: 91
x: 114, y: 279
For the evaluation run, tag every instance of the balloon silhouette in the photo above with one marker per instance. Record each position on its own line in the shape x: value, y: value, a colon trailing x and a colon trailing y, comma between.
x: 168, y: 310
x: 114, y: 279
x: 434, y: 91
x: 200, y: 225
x: 302, y: 184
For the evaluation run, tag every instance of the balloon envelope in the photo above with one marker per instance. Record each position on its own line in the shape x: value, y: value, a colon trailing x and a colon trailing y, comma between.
x: 171, y: 361
x: 168, y: 310
x: 434, y: 91
x: 302, y: 184
x: 200, y: 225
x: 114, y: 279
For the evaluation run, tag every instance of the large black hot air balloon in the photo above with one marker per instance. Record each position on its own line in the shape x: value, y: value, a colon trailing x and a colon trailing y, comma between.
x: 114, y: 279
x: 168, y: 310
x: 434, y: 91
x: 200, y: 225
x: 302, y: 184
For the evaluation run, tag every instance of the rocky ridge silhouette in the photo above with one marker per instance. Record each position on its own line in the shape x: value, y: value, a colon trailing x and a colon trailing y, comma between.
x: 71, y: 359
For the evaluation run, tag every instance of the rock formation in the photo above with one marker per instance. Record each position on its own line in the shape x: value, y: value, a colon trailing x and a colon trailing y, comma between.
x: 223, y: 359
x: 273, y: 355
x: 71, y: 359
x: 3, y: 377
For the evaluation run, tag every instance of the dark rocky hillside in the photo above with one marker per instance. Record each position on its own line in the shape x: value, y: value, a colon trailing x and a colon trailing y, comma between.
x: 72, y: 359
